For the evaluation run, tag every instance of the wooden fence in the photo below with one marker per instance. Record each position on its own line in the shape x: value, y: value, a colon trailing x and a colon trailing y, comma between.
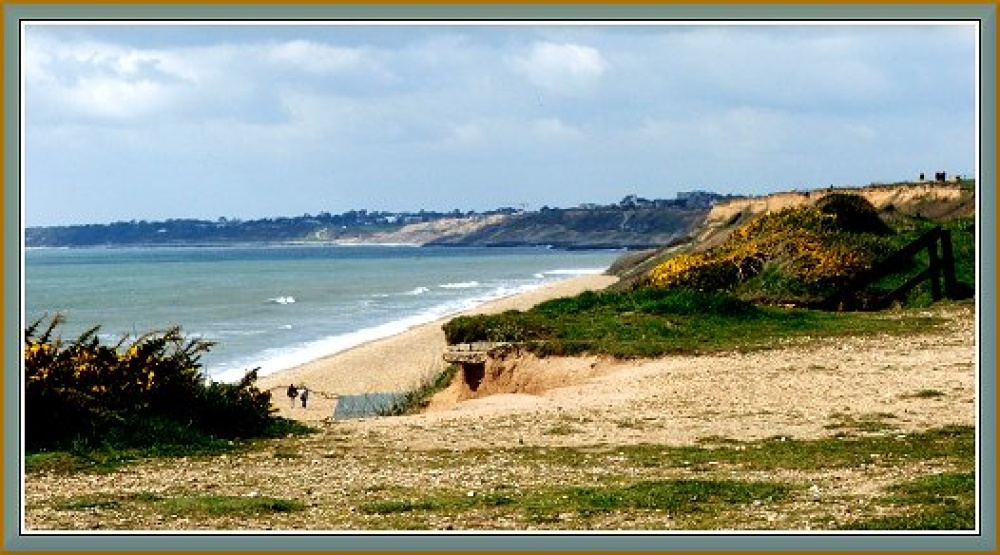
x: 940, y: 271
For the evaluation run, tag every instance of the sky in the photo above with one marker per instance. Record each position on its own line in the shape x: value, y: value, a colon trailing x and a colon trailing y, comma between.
x: 151, y: 122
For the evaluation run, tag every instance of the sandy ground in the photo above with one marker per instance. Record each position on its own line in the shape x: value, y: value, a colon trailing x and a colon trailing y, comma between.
x: 804, y: 388
x: 801, y: 389
x: 397, y: 363
x: 807, y: 389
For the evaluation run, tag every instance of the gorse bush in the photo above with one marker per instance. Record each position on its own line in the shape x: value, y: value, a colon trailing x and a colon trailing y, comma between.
x: 853, y: 214
x: 136, y: 393
x: 803, y: 253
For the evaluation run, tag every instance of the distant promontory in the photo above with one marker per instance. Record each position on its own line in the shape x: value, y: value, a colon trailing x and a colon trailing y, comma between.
x: 632, y: 223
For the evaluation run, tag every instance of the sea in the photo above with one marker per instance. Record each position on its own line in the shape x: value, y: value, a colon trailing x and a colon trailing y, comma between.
x: 278, y: 306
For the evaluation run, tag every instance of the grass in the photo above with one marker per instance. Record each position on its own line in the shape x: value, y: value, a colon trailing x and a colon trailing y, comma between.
x: 673, y: 497
x: 964, y: 250
x: 721, y: 483
x: 640, y: 484
x: 936, y: 502
x: 228, y: 505
x: 417, y: 399
x: 926, y: 394
x: 795, y: 454
x: 563, y: 429
x: 108, y: 457
x: 956, y: 443
x: 865, y: 423
x: 183, y: 505
x: 651, y: 323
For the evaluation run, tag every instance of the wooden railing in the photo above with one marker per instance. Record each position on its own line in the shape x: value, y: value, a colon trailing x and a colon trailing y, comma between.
x: 940, y: 272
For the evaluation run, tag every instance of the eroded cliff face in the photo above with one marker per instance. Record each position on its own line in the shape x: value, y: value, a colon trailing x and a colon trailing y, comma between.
x: 937, y: 201
x: 514, y: 371
x: 427, y: 232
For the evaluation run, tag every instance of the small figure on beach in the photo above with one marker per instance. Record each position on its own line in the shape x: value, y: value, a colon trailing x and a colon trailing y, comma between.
x: 292, y: 394
x: 304, y: 396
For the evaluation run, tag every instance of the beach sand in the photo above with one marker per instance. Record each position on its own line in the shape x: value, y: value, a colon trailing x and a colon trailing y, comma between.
x: 397, y: 363
x: 588, y: 408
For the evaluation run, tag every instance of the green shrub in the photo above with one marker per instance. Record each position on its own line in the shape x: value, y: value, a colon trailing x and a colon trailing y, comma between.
x: 145, y: 392
x: 804, y: 254
x: 852, y: 214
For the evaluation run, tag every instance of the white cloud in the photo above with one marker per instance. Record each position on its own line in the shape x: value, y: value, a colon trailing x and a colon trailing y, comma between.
x: 555, y: 129
x: 494, y: 106
x: 314, y: 57
x: 467, y: 134
x: 562, y: 67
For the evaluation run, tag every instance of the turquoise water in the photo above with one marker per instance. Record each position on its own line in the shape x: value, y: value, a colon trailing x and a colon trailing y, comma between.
x: 274, y: 307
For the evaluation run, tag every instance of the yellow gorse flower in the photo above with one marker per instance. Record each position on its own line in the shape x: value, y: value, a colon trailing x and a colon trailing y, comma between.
x: 803, y: 239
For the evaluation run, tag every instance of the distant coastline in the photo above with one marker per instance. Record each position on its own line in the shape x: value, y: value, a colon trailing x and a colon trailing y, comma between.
x: 632, y: 223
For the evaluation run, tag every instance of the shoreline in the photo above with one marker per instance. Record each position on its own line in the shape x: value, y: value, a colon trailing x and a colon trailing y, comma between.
x: 399, y: 362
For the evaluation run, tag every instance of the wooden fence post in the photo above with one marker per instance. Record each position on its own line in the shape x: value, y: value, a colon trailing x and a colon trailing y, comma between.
x: 935, y: 269
x: 948, y: 265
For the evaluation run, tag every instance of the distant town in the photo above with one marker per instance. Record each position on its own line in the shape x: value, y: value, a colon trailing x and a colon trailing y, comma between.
x: 631, y: 217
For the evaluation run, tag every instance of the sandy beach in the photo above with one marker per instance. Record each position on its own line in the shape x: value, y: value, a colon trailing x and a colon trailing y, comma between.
x: 399, y: 362
x: 587, y: 408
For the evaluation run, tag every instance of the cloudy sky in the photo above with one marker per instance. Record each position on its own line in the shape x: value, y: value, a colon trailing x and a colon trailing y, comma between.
x: 152, y: 122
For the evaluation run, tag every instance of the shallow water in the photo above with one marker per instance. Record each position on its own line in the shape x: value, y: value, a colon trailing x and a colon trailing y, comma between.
x: 275, y: 307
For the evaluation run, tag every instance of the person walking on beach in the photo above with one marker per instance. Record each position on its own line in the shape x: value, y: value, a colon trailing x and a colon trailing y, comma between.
x: 292, y: 394
x: 304, y: 396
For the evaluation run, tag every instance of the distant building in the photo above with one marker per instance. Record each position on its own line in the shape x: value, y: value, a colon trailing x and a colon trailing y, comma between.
x: 697, y: 199
x: 634, y: 201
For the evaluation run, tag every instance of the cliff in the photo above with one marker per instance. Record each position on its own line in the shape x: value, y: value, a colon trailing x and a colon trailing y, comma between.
x: 940, y: 202
x: 601, y: 227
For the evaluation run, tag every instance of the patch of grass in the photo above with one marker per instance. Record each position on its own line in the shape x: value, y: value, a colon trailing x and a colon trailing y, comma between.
x: 936, y: 502
x: 286, y: 454
x: 391, y: 507
x: 184, y: 505
x: 952, y: 443
x: 963, y: 247
x: 675, y: 496
x: 115, y: 501
x: 228, y: 505
x: 562, y: 430
x: 957, y: 442
x: 417, y: 399
x: 656, y: 322
x: 717, y: 440
x: 865, y: 423
x: 548, y: 505
x: 110, y: 456
x: 630, y: 424
x: 85, y: 503
x: 925, y: 394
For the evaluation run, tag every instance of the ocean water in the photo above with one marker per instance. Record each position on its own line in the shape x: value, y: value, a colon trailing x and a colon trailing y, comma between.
x: 275, y: 307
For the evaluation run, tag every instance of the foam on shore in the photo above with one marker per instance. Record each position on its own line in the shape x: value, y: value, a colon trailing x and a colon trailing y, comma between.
x: 279, y: 359
x: 398, y: 356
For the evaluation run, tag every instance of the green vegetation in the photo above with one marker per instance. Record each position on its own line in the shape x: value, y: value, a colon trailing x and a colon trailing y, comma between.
x: 183, y: 505
x: 89, y: 405
x: 963, y: 242
x: 796, y: 255
x: 729, y: 297
x: 676, y: 497
x: 653, y: 322
x: 417, y: 399
x: 719, y: 484
x: 936, y: 502
x: 926, y: 394
x: 844, y: 451
x: 640, y: 484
